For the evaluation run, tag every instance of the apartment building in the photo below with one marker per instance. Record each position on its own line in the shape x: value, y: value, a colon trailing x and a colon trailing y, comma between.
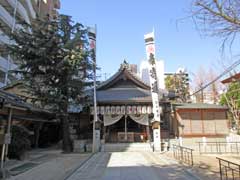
x: 11, y: 13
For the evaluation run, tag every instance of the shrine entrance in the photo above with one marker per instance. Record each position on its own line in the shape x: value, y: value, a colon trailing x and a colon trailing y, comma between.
x: 128, y: 130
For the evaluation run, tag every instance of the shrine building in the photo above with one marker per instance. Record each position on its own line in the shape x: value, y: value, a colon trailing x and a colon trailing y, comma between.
x: 124, y: 109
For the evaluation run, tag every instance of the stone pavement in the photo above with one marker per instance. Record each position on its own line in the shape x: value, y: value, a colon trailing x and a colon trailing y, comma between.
x: 49, y: 165
x: 132, y: 166
x: 207, y: 164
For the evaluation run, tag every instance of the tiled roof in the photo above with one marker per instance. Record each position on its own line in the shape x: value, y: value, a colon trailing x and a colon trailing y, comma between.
x: 231, y: 79
x: 14, y: 100
x: 124, y: 95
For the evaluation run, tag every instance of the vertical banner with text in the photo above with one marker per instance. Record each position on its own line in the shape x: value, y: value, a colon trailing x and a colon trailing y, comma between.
x: 150, y: 50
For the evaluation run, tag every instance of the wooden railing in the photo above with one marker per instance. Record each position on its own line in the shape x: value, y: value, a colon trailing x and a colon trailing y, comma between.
x: 183, y: 154
x: 228, y: 170
x: 219, y: 147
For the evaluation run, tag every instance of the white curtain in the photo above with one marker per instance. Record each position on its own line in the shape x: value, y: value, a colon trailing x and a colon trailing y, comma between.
x: 141, y: 119
x: 111, y: 119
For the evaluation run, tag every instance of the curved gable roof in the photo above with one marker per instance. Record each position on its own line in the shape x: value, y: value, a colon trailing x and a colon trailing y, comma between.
x: 123, y: 74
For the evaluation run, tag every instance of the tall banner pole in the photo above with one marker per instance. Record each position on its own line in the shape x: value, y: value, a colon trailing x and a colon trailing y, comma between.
x: 150, y: 50
x: 92, y: 42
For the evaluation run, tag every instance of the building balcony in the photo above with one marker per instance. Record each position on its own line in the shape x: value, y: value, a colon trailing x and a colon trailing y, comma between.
x: 54, y: 14
x: 6, y: 65
x: 8, y: 19
x: 28, y: 5
x: 4, y: 39
x: 20, y: 9
x: 57, y: 4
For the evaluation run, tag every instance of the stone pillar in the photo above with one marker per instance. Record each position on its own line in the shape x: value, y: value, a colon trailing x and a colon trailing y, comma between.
x: 97, y: 136
x: 156, y: 136
x: 148, y: 134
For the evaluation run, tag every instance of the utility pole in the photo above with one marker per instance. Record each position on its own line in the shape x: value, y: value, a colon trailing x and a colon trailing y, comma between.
x: 96, y: 132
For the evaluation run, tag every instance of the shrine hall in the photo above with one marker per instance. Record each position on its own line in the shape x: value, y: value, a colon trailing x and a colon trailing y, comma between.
x: 124, y: 106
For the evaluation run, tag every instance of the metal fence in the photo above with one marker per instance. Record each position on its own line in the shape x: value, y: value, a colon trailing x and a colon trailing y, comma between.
x: 228, y: 170
x: 183, y: 154
x: 219, y: 147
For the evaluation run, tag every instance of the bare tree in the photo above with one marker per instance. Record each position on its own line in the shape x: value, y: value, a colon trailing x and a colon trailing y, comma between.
x: 219, y: 18
x: 214, y: 87
x: 201, y: 77
x: 198, y: 81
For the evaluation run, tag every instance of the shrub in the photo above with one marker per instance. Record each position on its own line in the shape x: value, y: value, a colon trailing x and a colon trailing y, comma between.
x: 20, y: 142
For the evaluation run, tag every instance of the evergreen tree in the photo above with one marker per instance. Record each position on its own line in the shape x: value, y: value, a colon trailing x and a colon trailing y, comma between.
x: 232, y: 99
x: 54, y: 63
x: 179, y: 83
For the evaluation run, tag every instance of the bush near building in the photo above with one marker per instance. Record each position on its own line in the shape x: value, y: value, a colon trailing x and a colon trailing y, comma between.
x: 20, y: 142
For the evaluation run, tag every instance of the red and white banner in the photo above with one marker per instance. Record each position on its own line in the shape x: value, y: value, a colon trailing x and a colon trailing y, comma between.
x: 149, y: 43
x: 92, y: 37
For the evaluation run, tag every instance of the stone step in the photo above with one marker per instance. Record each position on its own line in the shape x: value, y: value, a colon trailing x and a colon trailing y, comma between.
x: 127, y: 147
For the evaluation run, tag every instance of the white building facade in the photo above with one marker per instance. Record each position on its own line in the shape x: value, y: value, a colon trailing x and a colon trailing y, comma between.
x: 144, y: 73
x: 11, y: 13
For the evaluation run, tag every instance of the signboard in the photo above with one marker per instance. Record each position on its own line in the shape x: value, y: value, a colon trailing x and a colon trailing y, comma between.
x: 5, y: 138
x: 156, y: 139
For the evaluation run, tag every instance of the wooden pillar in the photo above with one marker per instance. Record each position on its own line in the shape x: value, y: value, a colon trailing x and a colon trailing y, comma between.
x: 10, y: 111
x: 37, y: 128
x: 125, y: 128
x: 148, y: 133
x: 104, y: 133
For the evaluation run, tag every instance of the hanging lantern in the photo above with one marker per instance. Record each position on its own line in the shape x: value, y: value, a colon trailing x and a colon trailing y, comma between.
x: 144, y: 110
x: 149, y: 109
x: 102, y: 110
x: 118, y: 110
x: 122, y: 109
x: 113, y: 110
x: 107, y: 110
x: 129, y: 109
x: 92, y: 110
x: 139, y: 109
x: 134, y: 109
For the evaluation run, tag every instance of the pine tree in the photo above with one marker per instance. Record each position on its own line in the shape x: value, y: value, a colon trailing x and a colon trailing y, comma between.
x: 54, y: 63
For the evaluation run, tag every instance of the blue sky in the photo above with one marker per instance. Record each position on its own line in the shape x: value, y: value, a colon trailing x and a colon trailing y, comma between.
x: 121, y: 25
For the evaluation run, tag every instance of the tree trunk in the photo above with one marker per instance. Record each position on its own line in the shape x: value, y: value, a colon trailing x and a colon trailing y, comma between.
x: 37, y: 128
x: 66, y: 142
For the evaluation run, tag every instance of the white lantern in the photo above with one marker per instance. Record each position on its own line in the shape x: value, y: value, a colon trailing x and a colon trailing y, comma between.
x: 118, y: 110
x: 139, y: 109
x: 149, y: 109
x: 113, y: 110
x: 102, y: 110
x: 144, y: 109
x: 98, y: 110
x: 122, y: 109
x: 134, y: 109
x: 91, y: 110
x: 107, y: 110
x: 160, y: 109
x: 129, y: 109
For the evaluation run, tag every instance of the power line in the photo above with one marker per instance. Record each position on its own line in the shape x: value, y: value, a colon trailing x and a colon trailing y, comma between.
x: 218, y: 77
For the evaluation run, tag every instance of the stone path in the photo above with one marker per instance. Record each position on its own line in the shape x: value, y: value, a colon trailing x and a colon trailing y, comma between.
x: 55, y: 168
x: 131, y: 166
x: 93, y: 169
